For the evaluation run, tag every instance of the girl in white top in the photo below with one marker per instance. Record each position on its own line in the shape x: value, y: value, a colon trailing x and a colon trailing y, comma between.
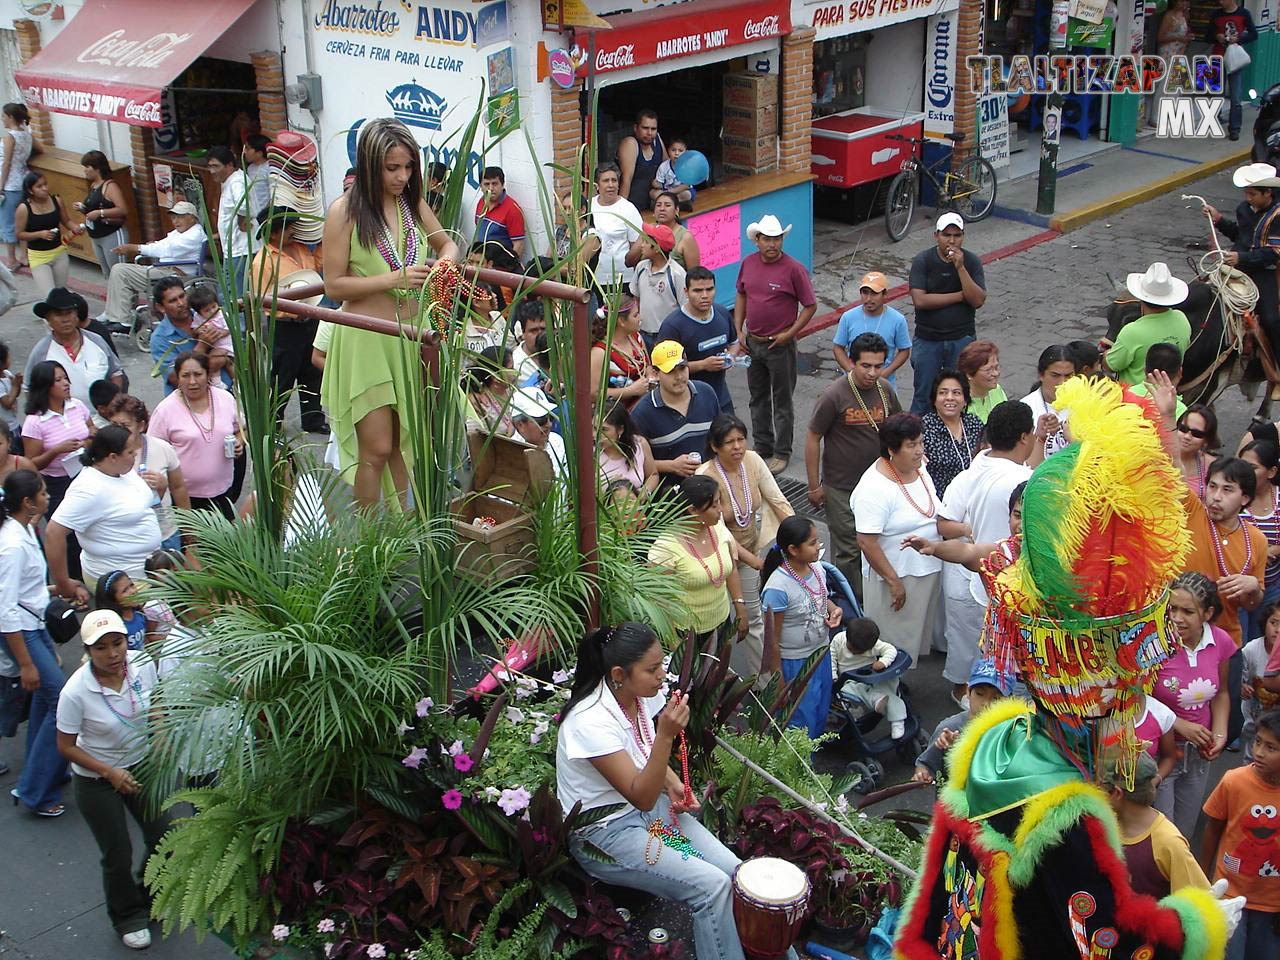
x: 894, y: 500
x: 16, y: 148
x: 1054, y: 368
x: 102, y: 732
x: 615, y: 221
x: 614, y: 748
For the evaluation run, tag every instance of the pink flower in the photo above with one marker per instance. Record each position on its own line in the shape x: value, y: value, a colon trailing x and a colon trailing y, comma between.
x: 424, y: 705
x: 514, y: 800
x: 325, y: 926
x: 415, y: 757
x: 452, y: 799
x: 462, y: 762
x: 376, y: 951
x: 280, y: 932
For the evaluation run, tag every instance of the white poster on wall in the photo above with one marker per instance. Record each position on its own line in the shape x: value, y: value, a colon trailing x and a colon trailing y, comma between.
x: 1091, y: 11
x: 1264, y: 13
x: 993, y: 129
x: 940, y: 74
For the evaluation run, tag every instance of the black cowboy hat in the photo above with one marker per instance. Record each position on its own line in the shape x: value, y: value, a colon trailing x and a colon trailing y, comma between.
x: 59, y: 298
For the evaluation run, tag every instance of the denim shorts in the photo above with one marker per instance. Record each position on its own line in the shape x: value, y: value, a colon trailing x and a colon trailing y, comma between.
x: 8, y: 211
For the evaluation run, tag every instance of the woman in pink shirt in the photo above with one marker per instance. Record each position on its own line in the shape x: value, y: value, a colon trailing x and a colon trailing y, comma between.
x: 1193, y: 684
x: 196, y: 420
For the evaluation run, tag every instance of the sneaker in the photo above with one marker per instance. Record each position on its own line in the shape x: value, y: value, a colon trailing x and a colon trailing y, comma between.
x: 777, y: 465
x: 897, y: 729
x: 138, y: 940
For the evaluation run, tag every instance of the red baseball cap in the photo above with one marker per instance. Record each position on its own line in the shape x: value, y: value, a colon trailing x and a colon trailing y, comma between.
x: 662, y: 235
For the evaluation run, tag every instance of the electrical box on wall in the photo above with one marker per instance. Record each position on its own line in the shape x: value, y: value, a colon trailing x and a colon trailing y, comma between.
x: 306, y: 92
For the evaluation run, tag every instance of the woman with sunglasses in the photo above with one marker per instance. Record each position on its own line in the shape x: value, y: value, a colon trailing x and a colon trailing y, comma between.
x: 1197, y: 439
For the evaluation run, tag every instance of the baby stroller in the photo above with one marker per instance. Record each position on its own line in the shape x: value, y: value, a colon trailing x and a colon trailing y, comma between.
x: 854, y: 718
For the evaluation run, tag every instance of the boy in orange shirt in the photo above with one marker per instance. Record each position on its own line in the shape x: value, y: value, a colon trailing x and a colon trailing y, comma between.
x: 1242, y: 843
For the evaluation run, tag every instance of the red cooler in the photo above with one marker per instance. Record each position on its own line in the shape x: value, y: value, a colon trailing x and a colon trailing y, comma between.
x: 853, y: 147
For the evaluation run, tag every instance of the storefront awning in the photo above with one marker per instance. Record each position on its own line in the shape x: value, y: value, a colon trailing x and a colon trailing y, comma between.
x: 683, y: 30
x: 114, y: 58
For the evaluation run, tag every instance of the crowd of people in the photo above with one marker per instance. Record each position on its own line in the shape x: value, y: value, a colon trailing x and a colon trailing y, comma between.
x: 915, y: 500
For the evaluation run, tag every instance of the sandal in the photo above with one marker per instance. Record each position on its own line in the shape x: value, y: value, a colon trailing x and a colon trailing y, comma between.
x: 53, y: 810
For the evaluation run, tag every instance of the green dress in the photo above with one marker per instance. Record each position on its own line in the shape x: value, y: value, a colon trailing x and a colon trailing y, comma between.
x: 365, y: 371
x: 980, y: 407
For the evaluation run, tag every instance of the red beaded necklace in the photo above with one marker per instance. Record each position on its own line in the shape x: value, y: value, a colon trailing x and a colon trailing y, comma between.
x: 661, y: 834
x: 722, y: 575
x: 1219, y: 540
x: 927, y: 514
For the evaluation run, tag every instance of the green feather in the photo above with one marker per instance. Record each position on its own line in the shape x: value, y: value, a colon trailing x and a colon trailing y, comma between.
x: 1043, y: 514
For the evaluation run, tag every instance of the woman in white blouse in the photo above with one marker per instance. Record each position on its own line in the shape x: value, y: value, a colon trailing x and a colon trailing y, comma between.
x: 894, y: 500
x: 102, y: 732
x: 614, y: 748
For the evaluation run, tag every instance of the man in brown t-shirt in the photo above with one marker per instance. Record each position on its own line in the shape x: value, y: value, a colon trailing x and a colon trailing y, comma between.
x: 844, y: 438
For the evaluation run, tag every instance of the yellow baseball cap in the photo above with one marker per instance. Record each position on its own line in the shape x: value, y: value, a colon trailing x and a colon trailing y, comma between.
x: 876, y: 280
x: 668, y: 355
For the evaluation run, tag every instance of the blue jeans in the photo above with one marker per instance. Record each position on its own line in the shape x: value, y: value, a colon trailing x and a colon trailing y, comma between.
x: 705, y: 886
x: 8, y: 210
x: 1257, y: 937
x: 235, y: 267
x: 811, y: 711
x: 41, y: 783
x: 928, y: 358
x: 1235, y: 91
x: 172, y: 543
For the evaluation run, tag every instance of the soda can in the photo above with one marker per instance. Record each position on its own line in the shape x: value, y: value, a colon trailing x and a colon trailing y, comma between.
x: 624, y: 913
x: 229, y: 446
x: 695, y: 457
x: 659, y: 935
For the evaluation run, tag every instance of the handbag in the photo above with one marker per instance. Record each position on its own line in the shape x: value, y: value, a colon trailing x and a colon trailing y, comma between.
x: 60, y: 620
x: 1235, y: 57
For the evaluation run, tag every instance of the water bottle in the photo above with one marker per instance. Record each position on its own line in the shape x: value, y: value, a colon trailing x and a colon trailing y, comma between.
x: 744, y: 360
x: 155, y: 498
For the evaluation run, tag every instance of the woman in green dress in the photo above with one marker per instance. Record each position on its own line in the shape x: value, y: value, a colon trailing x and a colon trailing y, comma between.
x: 375, y: 245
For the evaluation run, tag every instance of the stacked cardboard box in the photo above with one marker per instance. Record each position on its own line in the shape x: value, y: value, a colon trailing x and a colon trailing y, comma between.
x: 750, y: 124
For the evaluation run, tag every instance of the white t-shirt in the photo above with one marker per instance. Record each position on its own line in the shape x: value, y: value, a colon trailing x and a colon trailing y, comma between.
x: 880, y: 508
x: 979, y: 496
x: 1255, y: 656
x: 660, y: 292
x: 232, y: 206
x: 1158, y: 712
x: 597, y: 727
x: 158, y: 456
x: 617, y: 226
x: 1039, y: 407
x: 109, y: 725
x: 113, y: 519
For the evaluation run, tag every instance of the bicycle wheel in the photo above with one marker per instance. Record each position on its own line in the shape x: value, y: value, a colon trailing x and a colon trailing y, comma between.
x: 900, y: 205
x: 973, y: 189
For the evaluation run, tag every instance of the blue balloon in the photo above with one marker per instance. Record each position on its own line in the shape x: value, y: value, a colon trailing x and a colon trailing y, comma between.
x: 691, y: 168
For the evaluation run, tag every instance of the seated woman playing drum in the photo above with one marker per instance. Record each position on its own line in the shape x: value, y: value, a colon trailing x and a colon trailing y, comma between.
x: 614, y: 747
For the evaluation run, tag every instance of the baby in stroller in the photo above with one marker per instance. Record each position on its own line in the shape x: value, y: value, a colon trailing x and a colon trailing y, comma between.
x: 857, y: 647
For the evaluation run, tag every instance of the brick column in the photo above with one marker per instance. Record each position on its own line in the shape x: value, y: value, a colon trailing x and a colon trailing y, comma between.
x: 28, y: 32
x: 795, y: 100
x: 566, y: 131
x: 268, y: 73
x: 141, y: 147
x: 971, y: 14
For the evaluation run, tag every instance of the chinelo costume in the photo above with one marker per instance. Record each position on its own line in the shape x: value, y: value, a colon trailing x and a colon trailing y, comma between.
x: 1024, y: 858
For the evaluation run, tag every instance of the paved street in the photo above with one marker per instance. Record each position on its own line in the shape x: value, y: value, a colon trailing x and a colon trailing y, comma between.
x: 1057, y: 290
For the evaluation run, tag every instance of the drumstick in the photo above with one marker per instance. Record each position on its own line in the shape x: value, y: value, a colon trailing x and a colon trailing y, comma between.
x: 888, y: 792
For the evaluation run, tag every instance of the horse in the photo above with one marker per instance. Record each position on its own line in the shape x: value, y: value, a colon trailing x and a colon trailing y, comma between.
x: 1211, y: 363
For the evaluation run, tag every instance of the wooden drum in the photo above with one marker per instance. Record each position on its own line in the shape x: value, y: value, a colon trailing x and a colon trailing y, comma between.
x: 770, y: 901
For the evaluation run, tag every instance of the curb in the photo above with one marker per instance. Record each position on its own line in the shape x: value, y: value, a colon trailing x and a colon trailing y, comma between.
x: 1094, y: 211
x: 88, y: 288
x: 830, y: 319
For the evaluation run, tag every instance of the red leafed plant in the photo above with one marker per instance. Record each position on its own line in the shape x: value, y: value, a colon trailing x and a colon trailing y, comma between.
x: 598, y: 918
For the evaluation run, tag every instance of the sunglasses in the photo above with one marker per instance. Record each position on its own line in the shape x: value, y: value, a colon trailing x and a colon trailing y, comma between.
x: 1198, y: 434
x: 540, y: 421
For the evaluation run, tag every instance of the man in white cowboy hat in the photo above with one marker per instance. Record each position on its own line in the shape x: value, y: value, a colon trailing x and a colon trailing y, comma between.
x: 184, y: 244
x: 775, y: 300
x: 531, y: 416
x: 1158, y: 291
x: 1255, y: 239
x: 947, y: 288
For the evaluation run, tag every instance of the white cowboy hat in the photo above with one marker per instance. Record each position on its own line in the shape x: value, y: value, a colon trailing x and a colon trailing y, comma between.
x: 303, y: 278
x: 769, y: 226
x: 1157, y: 286
x: 1256, y: 175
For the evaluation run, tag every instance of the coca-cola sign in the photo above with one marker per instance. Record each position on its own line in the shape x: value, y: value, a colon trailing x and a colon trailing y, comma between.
x: 114, y: 50
x: 144, y: 113
x: 616, y: 59
x: 678, y: 30
x: 761, y: 29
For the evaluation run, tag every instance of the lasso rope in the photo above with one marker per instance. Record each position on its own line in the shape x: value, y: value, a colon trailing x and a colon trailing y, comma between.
x: 1234, y: 290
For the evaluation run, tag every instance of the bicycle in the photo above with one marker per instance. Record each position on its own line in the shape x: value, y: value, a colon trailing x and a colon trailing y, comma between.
x: 970, y: 191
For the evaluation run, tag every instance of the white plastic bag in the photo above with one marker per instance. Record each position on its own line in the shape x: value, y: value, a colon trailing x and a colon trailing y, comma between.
x: 1235, y: 58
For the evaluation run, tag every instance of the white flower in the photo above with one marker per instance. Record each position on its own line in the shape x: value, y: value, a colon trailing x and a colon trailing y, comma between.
x: 502, y: 673
x: 534, y: 738
x: 673, y: 678
x: 493, y: 793
x: 325, y: 926
x: 456, y: 748
x: 280, y: 932
x: 424, y: 705
x: 541, y: 727
x: 376, y: 951
x: 1196, y: 693
x: 560, y: 676
x: 404, y: 728
x: 523, y: 692
x: 842, y: 804
x: 515, y: 714
x: 328, y: 949
x: 318, y: 886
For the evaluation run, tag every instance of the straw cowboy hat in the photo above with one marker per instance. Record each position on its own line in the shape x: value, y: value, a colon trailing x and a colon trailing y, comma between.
x: 769, y: 226
x: 1157, y: 286
x: 1256, y: 175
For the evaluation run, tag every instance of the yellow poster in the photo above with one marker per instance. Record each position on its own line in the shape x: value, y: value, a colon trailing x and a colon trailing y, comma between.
x: 570, y: 13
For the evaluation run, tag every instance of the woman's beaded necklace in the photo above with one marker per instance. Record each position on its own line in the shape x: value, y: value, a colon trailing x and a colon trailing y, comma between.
x: 1219, y: 541
x: 817, y: 597
x: 133, y: 689
x: 205, y: 434
x: 660, y: 834
x: 927, y: 514
x: 965, y: 458
x: 386, y: 242
x: 722, y: 574
x: 744, y: 514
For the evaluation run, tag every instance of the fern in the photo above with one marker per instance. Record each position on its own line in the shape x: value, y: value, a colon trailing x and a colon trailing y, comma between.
x: 784, y: 758
x: 523, y: 943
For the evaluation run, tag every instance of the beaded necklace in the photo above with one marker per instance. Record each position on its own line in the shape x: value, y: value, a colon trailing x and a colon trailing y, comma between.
x: 206, y: 434
x: 743, y: 515
x: 386, y: 243
x: 722, y: 575
x: 660, y: 833
x: 857, y: 395
x: 967, y: 457
x: 818, y: 597
x: 927, y: 514
x: 131, y: 687
x: 1219, y: 541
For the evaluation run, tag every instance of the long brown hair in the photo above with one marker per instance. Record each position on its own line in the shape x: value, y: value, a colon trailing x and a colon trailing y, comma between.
x: 364, y: 201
